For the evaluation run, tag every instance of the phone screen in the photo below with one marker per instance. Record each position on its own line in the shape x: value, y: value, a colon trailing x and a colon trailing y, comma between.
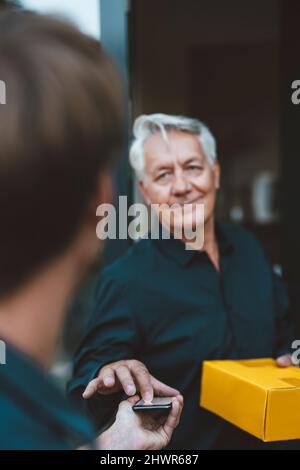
x: 158, y: 403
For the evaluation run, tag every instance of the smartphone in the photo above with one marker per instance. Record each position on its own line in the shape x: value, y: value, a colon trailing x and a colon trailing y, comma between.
x: 158, y: 403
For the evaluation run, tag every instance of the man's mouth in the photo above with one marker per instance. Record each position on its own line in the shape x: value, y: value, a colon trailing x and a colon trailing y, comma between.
x: 199, y: 200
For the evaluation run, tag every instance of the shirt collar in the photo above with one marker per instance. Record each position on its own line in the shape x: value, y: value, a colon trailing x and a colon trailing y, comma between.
x: 176, y: 249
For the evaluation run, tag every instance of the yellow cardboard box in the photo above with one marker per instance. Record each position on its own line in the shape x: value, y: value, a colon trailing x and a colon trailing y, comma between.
x: 255, y: 395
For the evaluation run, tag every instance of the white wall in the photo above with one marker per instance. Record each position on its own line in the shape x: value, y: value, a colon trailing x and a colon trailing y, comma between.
x: 84, y: 13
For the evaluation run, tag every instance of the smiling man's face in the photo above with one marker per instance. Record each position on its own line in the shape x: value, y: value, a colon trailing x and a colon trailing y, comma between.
x: 178, y: 172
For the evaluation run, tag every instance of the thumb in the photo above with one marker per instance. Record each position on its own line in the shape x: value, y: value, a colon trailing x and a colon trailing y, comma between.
x: 133, y: 400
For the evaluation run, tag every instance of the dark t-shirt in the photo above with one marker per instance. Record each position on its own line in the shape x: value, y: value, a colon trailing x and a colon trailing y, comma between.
x: 34, y: 414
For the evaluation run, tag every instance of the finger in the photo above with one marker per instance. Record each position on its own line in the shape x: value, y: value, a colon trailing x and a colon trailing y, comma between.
x: 91, y: 388
x: 143, y: 381
x: 173, y: 418
x: 133, y: 400
x: 107, y: 375
x: 180, y: 399
x: 163, y: 390
x: 126, y: 380
x: 284, y: 361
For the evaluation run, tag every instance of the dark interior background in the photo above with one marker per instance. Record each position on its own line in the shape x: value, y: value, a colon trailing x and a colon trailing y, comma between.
x: 231, y: 64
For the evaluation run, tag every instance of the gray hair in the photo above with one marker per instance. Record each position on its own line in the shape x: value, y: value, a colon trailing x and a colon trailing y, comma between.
x: 147, y: 125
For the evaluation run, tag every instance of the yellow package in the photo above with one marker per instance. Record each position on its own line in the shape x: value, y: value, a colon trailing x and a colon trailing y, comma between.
x: 255, y: 395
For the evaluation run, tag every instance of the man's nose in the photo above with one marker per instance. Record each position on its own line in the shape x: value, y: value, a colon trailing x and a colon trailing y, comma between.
x: 180, y: 185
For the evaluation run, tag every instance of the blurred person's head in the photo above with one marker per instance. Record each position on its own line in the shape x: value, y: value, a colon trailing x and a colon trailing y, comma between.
x: 60, y: 130
x: 175, y: 162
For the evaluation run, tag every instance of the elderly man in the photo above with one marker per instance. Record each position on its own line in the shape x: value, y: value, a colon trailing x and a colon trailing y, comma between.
x: 162, y: 309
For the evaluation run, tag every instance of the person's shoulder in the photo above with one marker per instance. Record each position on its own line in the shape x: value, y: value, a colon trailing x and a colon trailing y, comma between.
x: 15, y: 426
x: 21, y: 431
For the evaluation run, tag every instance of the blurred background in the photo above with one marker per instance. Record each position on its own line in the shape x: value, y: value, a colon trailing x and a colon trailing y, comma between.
x: 231, y: 65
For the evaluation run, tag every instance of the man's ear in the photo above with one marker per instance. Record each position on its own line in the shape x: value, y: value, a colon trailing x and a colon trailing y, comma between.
x: 217, y: 173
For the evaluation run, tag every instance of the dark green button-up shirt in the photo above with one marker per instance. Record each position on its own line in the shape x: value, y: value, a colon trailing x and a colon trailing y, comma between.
x: 34, y: 414
x: 169, y: 308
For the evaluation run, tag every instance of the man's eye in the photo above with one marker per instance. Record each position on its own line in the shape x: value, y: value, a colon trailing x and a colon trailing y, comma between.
x: 194, y: 167
x: 162, y: 176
